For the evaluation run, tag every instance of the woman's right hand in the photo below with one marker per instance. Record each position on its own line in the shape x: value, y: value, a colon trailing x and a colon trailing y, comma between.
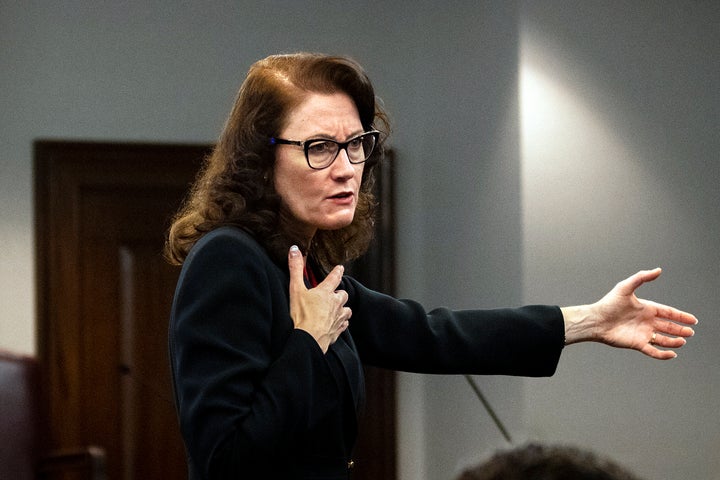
x: 320, y: 311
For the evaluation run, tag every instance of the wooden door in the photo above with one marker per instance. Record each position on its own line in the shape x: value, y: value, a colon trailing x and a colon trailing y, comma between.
x: 104, y: 295
x: 104, y: 299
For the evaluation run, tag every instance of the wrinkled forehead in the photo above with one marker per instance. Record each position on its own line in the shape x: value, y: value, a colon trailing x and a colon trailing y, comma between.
x: 333, y: 116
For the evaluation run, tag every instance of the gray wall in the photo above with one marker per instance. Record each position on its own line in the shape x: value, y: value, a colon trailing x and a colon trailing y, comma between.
x: 612, y: 168
x: 620, y: 172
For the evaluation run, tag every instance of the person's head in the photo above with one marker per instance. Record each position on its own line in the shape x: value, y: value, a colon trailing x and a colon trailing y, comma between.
x: 538, y: 462
x: 255, y: 180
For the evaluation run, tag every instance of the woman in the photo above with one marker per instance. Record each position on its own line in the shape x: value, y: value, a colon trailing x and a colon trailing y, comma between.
x: 268, y: 338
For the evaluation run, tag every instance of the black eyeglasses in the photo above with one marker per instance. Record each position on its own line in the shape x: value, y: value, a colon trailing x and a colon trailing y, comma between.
x: 321, y: 153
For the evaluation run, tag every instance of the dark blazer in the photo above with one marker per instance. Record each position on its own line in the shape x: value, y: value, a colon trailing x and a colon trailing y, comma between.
x: 257, y: 398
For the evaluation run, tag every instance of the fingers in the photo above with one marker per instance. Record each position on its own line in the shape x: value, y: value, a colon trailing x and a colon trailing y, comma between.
x: 333, y: 279
x: 674, y: 314
x: 654, y: 352
x: 664, y: 341
x: 296, y: 264
x: 343, y: 322
x: 343, y: 314
x: 340, y: 324
x: 672, y: 328
x: 668, y: 335
x: 661, y: 346
x: 320, y: 311
x: 632, y: 283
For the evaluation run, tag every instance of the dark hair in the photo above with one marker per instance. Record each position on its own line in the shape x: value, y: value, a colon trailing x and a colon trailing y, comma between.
x: 540, y: 462
x: 235, y: 185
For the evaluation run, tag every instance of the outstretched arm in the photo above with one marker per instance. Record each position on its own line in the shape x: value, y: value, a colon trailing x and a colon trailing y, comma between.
x: 622, y: 320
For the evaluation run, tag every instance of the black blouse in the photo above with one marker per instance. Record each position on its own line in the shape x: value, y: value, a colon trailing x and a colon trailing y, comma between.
x: 257, y: 398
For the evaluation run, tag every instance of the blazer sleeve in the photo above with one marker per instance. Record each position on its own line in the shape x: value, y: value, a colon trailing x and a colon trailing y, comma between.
x: 402, y: 335
x: 245, y: 380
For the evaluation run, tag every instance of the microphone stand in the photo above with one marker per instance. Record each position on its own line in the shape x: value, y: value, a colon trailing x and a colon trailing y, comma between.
x: 489, y: 408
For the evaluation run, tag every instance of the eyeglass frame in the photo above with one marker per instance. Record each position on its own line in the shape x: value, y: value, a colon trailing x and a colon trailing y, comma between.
x: 341, y: 146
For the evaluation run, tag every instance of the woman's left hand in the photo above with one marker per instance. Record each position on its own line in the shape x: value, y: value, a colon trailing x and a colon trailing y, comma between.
x: 622, y: 320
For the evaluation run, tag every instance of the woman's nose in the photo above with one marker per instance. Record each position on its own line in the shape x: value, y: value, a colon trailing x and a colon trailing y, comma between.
x: 342, y: 167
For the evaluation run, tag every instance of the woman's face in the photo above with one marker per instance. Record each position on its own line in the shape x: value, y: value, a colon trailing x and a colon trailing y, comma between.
x: 319, y: 199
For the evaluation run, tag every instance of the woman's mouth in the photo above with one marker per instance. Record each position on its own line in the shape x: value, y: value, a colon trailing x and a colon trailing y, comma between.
x: 342, y: 197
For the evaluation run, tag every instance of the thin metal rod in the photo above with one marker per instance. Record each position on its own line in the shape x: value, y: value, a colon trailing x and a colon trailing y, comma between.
x: 489, y: 408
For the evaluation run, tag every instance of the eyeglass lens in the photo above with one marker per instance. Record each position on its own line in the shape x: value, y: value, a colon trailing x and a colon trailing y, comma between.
x: 321, y: 153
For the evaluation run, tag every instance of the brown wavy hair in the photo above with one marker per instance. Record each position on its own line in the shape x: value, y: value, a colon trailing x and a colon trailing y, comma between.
x: 235, y: 185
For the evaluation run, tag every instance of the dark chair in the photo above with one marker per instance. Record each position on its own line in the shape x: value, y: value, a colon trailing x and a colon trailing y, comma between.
x: 22, y: 430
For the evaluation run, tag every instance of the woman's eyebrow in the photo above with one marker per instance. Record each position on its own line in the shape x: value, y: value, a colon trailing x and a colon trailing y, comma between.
x: 322, y: 136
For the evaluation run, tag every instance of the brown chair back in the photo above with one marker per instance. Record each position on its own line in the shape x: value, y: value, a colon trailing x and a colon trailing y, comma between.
x: 19, y: 416
x: 23, y: 451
